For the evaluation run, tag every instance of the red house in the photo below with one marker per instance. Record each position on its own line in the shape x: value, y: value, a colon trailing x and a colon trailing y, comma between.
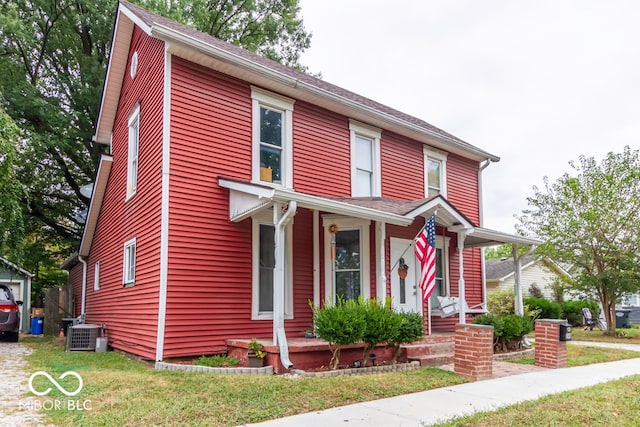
x: 237, y: 190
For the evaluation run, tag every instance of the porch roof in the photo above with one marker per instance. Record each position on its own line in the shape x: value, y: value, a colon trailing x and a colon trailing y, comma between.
x: 247, y: 198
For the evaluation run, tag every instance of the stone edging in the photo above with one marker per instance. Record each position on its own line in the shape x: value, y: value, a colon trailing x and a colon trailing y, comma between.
x: 265, y: 370
x: 515, y: 354
x: 400, y: 367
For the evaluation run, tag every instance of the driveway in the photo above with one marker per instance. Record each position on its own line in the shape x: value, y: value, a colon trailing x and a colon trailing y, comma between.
x: 16, y: 408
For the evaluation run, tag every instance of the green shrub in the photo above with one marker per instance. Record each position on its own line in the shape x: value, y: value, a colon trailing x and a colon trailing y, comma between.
x: 572, y: 310
x: 340, y: 325
x: 501, y: 303
x: 411, y: 329
x: 548, y: 309
x: 218, y: 360
x: 381, y: 324
x: 507, y: 330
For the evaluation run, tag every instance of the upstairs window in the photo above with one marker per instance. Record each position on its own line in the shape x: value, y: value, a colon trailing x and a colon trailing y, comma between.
x: 365, y: 160
x: 272, y: 138
x: 132, y: 157
x: 129, y: 263
x: 434, y: 173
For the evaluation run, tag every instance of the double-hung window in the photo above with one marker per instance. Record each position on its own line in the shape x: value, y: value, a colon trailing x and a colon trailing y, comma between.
x: 442, y: 269
x: 365, y: 160
x: 132, y: 156
x: 129, y: 263
x: 435, y: 173
x: 264, y: 263
x: 272, y: 138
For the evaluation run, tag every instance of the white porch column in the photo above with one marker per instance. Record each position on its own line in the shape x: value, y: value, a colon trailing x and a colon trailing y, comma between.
x: 461, y: 290
x: 316, y: 258
x: 381, y: 282
x: 517, y: 287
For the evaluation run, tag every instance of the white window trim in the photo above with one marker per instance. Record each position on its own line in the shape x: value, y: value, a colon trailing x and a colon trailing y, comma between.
x: 266, y: 218
x: 261, y: 97
x: 374, y: 134
x: 442, y: 242
x: 132, y: 174
x: 126, y: 281
x: 96, y: 276
x: 442, y: 158
x: 346, y: 223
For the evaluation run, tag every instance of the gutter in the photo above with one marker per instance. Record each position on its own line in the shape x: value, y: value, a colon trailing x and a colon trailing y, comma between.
x: 480, y: 220
x: 279, y: 335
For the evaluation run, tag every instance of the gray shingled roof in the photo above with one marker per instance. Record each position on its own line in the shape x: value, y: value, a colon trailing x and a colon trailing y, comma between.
x: 150, y: 18
x: 498, y: 268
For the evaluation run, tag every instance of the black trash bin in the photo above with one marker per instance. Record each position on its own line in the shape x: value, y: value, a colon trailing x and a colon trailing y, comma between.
x: 622, y: 318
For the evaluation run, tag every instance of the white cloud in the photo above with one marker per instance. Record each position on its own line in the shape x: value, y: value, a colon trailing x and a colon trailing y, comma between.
x: 536, y: 83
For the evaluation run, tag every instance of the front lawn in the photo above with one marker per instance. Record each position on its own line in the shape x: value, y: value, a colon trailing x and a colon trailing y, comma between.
x: 127, y: 392
x: 578, y: 355
x: 624, y: 335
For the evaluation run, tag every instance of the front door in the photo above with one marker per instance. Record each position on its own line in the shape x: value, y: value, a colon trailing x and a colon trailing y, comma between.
x: 405, y: 295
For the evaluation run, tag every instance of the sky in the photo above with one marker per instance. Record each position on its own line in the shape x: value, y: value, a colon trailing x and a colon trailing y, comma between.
x: 536, y: 83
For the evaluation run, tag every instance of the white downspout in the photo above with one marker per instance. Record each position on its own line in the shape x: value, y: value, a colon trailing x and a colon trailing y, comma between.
x: 279, y: 335
x: 84, y: 287
x: 481, y: 219
x: 461, y: 290
x: 381, y: 282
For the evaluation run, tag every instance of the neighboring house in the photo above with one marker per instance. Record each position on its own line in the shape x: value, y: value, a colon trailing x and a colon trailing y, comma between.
x: 238, y: 190
x: 19, y: 280
x: 539, y: 271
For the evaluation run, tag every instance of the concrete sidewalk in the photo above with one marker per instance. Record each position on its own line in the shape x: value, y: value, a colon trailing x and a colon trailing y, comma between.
x: 432, y: 406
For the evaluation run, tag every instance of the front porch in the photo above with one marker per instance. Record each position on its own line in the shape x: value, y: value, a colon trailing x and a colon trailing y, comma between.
x: 314, y: 353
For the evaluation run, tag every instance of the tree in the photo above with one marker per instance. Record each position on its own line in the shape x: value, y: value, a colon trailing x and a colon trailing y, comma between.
x: 271, y: 28
x: 53, y: 57
x: 592, y: 220
x: 11, y: 192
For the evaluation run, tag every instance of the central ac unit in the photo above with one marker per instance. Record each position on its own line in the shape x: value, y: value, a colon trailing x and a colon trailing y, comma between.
x: 82, y: 337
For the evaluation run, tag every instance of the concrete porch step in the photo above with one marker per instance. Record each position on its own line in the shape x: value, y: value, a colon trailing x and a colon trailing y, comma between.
x: 417, y: 350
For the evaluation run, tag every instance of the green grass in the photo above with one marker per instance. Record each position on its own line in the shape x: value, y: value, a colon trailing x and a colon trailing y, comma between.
x: 126, y: 392
x: 578, y: 355
x: 626, y: 336
x: 616, y: 403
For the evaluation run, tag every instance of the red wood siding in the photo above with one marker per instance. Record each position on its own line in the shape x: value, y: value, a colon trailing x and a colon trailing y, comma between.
x: 209, y: 275
x: 321, y: 152
x: 75, y: 280
x: 131, y: 314
x: 402, y: 162
x: 462, y: 186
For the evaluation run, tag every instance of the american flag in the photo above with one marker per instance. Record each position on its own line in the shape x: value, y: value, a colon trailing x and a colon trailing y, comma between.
x: 425, y: 245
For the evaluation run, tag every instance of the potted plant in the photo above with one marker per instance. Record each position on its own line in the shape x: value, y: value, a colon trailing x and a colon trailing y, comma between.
x: 256, y: 354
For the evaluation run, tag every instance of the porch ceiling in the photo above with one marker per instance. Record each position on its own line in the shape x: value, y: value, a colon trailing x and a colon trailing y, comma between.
x: 481, y: 237
x: 247, y: 198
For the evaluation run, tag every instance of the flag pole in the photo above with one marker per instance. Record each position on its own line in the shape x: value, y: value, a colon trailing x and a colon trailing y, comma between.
x: 409, y: 245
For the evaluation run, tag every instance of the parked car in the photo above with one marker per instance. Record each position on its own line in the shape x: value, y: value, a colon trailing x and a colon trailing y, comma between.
x: 9, y: 314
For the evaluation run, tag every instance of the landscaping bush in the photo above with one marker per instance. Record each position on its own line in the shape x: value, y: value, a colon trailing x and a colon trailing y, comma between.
x: 218, y: 360
x: 548, y: 309
x: 340, y: 324
x: 572, y: 310
x: 411, y: 329
x: 501, y: 303
x: 381, y: 324
x: 507, y: 330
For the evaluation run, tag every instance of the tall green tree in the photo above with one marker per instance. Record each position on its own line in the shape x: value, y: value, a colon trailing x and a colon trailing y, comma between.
x: 53, y: 57
x: 272, y: 28
x: 591, y: 219
x: 11, y: 192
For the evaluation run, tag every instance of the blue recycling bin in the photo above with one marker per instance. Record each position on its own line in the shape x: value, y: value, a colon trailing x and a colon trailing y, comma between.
x: 37, y: 324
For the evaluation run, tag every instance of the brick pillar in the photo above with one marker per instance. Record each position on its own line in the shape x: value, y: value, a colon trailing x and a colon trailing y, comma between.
x: 550, y: 352
x: 473, y: 354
